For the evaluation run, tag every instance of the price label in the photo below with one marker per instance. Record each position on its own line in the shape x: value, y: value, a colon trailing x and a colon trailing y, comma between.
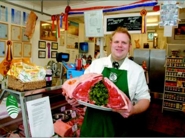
x: 73, y: 114
x: 63, y: 108
x: 74, y: 127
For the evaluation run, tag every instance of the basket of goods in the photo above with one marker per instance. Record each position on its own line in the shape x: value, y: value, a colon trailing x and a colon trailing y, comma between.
x: 24, y: 75
x: 95, y: 91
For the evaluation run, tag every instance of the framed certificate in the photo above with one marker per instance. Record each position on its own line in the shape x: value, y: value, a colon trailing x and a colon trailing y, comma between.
x: 3, y: 31
x: 54, y: 46
x: 2, y: 48
x: 24, y: 38
x: 41, y: 54
x: 17, y: 49
x: 53, y: 54
x: 42, y: 44
x: 27, y: 49
x: 15, y: 33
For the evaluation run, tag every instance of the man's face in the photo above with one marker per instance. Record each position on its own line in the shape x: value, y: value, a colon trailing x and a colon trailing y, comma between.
x: 120, y: 45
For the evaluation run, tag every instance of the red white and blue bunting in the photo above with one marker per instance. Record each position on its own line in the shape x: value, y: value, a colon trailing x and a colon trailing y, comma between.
x: 63, y: 17
x: 141, y: 3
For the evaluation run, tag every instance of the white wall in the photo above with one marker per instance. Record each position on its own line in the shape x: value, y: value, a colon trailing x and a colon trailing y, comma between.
x: 35, y: 38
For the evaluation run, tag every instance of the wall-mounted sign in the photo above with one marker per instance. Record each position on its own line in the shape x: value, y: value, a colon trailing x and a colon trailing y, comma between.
x: 133, y: 22
x: 93, y: 23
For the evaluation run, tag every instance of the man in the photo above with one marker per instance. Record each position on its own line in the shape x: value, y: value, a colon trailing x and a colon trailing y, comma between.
x: 130, y: 79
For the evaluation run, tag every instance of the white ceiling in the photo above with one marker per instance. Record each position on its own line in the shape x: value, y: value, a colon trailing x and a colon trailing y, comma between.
x: 50, y: 4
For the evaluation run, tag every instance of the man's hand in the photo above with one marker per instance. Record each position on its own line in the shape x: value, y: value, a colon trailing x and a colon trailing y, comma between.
x: 126, y: 112
x: 141, y: 106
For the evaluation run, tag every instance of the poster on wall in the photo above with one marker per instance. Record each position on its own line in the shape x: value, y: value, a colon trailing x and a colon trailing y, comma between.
x: 3, y: 13
x: 169, y: 14
x: 46, y: 32
x: 73, y: 28
x: 62, y: 39
x: 94, y: 23
x: 15, y: 16
x: 71, y: 40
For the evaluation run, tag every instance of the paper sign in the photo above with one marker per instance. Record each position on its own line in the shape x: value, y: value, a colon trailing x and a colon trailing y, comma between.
x: 12, y: 106
x: 168, y: 31
x: 94, y: 23
x: 40, y: 118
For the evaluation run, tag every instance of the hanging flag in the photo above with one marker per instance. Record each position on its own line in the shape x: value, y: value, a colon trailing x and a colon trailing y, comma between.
x: 143, y: 13
x: 61, y: 18
x: 5, y: 64
x: 48, y: 46
x: 53, y: 18
x: 58, y: 25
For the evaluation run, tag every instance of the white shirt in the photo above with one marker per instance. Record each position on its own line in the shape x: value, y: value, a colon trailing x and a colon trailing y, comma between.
x: 138, y: 88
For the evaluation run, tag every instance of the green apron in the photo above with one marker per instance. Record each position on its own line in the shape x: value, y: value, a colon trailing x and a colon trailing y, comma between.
x: 99, y: 123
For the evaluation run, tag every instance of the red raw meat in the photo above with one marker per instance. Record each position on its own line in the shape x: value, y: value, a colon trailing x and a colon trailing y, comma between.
x: 74, y: 84
x: 81, y: 87
x: 117, y: 99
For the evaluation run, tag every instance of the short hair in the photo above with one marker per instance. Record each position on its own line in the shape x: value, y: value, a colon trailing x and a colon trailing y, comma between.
x: 121, y: 30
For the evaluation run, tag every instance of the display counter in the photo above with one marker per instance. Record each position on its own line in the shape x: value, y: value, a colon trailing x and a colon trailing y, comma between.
x: 22, y: 96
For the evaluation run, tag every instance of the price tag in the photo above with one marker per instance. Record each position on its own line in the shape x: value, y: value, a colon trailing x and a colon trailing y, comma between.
x: 63, y: 108
x: 74, y: 127
x: 73, y: 114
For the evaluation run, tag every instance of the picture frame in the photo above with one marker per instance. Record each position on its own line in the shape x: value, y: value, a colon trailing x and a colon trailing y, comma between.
x: 150, y: 35
x: 41, y: 54
x: 4, y: 31
x: 15, y: 33
x: 17, y: 49
x: 42, y: 44
x: 46, y: 32
x: 2, y: 48
x: 179, y: 33
x: 53, y: 54
x: 27, y: 50
x: 54, y: 46
x: 24, y: 38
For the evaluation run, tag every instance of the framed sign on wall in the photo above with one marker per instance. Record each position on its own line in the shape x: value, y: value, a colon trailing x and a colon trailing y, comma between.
x: 133, y: 22
x: 46, y: 32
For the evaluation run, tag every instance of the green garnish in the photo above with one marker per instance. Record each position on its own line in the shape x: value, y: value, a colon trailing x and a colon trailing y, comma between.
x: 99, y: 94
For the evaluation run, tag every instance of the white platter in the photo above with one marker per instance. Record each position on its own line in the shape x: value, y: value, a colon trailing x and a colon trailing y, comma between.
x: 94, y: 106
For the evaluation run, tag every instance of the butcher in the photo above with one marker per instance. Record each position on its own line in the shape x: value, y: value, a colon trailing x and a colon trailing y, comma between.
x: 129, y: 78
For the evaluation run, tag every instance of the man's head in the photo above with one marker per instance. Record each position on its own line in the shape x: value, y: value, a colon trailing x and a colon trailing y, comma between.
x: 120, y: 43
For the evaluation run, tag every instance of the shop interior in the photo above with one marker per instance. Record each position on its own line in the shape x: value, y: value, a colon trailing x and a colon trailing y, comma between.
x: 45, y: 47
